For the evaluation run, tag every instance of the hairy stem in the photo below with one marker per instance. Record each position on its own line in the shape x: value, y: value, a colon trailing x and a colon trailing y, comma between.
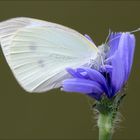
x: 108, y: 115
x: 105, y: 125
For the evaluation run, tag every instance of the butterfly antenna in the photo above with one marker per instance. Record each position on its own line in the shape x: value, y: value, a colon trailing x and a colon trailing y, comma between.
x: 107, y: 38
x: 135, y: 30
x: 120, y: 35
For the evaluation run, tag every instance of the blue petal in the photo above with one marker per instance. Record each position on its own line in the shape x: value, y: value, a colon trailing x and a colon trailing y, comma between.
x: 131, y: 43
x: 96, y: 76
x: 126, y: 49
x: 120, y: 64
x: 74, y: 73
x: 113, y: 42
x: 121, y: 58
x: 118, y: 74
x: 106, y: 68
x: 81, y: 86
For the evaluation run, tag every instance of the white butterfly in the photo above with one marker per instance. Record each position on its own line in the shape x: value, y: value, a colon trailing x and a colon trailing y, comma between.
x: 38, y: 52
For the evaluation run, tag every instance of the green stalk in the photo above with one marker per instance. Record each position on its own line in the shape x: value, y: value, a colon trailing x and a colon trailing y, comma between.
x: 105, y: 126
x: 108, y: 114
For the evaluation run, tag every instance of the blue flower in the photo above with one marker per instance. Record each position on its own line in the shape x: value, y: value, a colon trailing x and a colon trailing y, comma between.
x: 112, y: 75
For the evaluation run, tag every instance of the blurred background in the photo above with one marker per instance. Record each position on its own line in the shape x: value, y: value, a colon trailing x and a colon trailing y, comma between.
x: 68, y: 116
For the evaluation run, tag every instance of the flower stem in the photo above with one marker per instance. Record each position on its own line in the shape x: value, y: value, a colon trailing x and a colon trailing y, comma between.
x: 108, y: 115
x: 105, y: 126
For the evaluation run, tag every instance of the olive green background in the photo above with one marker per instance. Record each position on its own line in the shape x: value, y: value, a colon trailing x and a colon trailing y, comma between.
x: 58, y: 115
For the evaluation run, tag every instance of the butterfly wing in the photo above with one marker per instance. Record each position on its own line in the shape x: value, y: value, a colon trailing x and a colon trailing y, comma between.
x: 9, y: 28
x: 38, y: 52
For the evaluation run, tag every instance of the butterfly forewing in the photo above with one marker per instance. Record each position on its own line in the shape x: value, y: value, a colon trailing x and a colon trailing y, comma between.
x: 39, y: 53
